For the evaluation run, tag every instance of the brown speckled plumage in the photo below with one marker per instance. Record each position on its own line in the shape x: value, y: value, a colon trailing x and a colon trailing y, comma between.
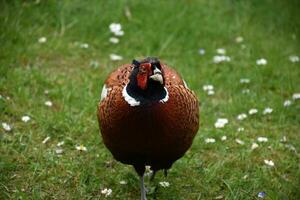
x: 156, y: 134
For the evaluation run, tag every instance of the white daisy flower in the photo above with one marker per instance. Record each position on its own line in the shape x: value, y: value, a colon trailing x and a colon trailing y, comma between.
x: 221, y: 51
x: 164, y: 184
x: 262, y: 139
x: 210, y: 140
x: 241, y: 142
x: 254, y: 146
x: 221, y: 58
x: 6, y: 126
x: 252, y: 111
x: 240, y: 129
x: 59, y: 151
x: 210, y: 92
x: 48, y: 103
x: 261, y: 61
x: 294, y: 58
x: 287, y: 103
x: 46, y: 140
x: 296, y: 96
x: 25, y: 118
x: 267, y: 111
x: 201, y: 51
x: 114, y: 40
x: 116, y: 29
x: 84, y: 45
x: 42, y: 40
x: 241, y: 116
x: 106, y: 192
x: 115, y: 57
x: 245, y: 91
x: 221, y: 122
x: 208, y: 87
x: 60, y: 143
x: 244, y: 80
x: 269, y: 163
x: 123, y: 182
x: 81, y: 148
x: 224, y: 137
x: 283, y: 139
x: 239, y: 39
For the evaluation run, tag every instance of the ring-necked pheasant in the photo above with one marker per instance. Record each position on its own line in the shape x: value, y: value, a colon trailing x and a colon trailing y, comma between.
x: 147, y: 116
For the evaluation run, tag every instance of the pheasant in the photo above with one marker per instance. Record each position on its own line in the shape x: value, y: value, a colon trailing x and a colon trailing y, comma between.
x: 147, y: 116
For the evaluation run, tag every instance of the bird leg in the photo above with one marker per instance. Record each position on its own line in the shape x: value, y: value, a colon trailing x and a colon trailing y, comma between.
x: 143, y: 189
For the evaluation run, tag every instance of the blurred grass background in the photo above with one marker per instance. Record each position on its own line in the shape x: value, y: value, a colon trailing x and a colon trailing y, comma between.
x: 173, y: 31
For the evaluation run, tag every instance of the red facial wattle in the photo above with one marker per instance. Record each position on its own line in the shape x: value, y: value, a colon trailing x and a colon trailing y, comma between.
x: 143, y: 75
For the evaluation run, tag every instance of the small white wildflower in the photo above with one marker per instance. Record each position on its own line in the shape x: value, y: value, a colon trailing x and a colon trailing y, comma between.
x: 210, y: 92
x: 254, y: 146
x: 241, y: 116
x: 115, y: 57
x: 221, y: 58
x: 116, y: 29
x: 123, y: 182
x: 59, y: 151
x: 224, y: 137
x: 262, y: 139
x: 114, y: 40
x: 269, y: 162
x: 164, y: 184
x: 252, y: 111
x: 296, y: 96
x: 208, y: 87
x: 60, y: 143
x: 48, y: 103
x: 267, y: 111
x: 46, y: 140
x: 244, y: 80
x: 287, y: 103
x: 261, y: 61
x: 283, y: 139
x: 119, y: 33
x: 221, y: 122
x: 239, y: 39
x: 239, y: 141
x: 294, y: 58
x: 81, y: 148
x: 7, y: 98
x: 201, y: 51
x: 42, y: 40
x: 210, y: 140
x: 6, y: 126
x: 245, y: 91
x: 246, y: 176
x: 240, y: 129
x: 221, y: 51
x: 106, y: 192
x: 46, y: 92
x: 84, y: 45
x: 25, y: 118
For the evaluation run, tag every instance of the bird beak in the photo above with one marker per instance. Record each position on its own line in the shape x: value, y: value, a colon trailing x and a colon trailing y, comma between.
x: 157, y: 76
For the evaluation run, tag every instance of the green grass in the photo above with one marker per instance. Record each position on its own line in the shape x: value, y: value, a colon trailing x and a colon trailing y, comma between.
x: 174, y: 32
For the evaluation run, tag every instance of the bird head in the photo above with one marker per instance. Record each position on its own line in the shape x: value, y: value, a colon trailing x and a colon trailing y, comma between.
x: 148, y: 71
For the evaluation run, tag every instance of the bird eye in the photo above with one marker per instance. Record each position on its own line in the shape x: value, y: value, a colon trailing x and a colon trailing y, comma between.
x: 143, y: 70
